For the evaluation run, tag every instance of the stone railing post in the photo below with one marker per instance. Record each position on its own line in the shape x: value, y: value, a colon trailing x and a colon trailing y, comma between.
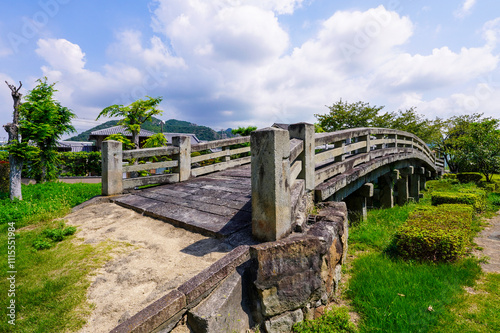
x: 365, y: 138
x: 305, y: 132
x: 184, y: 156
x: 271, y: 202
x: 112, y: 173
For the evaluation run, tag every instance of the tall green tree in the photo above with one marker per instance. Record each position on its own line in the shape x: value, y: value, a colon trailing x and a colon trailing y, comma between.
x: 480, y: 147
x: 343, y: 115
x: 450, y: 145
x: 134, y: 115
x: 43, y: 120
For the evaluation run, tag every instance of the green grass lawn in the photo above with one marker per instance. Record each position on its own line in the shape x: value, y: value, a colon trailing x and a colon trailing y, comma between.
x: 50, y: 284
x: 392, y: 295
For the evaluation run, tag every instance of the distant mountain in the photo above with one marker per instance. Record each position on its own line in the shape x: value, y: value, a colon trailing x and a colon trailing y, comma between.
x: 170, y: 126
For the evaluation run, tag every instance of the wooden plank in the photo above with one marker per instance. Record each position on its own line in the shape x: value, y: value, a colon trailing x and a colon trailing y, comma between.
x: 220, y: 143
x: 150, y: 166
x: 147, y: 152
x: 157, y: 179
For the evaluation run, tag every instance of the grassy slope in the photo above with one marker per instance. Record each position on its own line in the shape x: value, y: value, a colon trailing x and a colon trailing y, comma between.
x: 51, y: 284
x: 397, y: 296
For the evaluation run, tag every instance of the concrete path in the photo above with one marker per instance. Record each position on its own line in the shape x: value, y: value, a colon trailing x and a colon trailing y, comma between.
x: 489, y: 240
x: 216, y: 205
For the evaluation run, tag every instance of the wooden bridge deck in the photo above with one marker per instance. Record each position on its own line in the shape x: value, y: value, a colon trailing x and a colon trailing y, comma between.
x: 217, y: 205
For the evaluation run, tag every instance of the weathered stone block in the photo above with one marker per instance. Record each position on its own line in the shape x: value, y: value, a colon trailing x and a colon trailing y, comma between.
x: 204, y: 282
x: 288, y: 273
x: 227, y: 309
x: 155, y: 314
x: 284, y: 322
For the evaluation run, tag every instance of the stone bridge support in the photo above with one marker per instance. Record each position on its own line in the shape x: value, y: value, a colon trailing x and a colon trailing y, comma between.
x: 403, y: 184
x: 357, y: 203
x: 386, y: 188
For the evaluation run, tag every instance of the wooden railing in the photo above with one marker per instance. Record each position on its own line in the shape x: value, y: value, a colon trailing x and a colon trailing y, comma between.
x: 179, y: 164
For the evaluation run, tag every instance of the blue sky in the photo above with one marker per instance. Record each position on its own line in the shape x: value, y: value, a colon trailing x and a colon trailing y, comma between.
x: 229, y: 63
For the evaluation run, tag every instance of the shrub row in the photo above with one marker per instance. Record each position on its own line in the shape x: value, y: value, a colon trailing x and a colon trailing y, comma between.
x: 472, y: 197
x: 80, y: 164
x: 441, y: 233
x: 469, y: 177
x: 70, y: 164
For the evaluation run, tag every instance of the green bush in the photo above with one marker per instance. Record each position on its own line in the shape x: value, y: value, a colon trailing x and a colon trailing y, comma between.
x: 4, y: 155
x: 452, y: 176
x: 441, y: 233
x: 469, y: 177
x: 4, y: 176
x: 80, y: 164
x: 335, y: 320
x: 494, y: 199
x: 49, y: 237
x: 473, y: 197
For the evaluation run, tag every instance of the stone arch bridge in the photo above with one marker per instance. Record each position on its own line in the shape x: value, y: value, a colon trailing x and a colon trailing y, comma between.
x: 254, y: 192
x: 360, y: 166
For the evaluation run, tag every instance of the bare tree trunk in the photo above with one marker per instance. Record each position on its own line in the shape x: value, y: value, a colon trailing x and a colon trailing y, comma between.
x: 16, y: 164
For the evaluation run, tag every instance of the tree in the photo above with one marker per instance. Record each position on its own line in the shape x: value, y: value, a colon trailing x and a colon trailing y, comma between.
x: 15, y: 162
x: 43, y: 121
x: 480, y: 147
x: 134, y: 115
x: 452, y: 131
x: 343, y: 115
x: 244, y: 131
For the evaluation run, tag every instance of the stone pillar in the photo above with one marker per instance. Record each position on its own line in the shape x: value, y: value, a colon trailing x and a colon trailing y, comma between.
x: 112, y: 172
x: 421, y: 171
x: 341, y: 157
x: 394, y: 143
x: 356, y: 203
x: 305, y: 132
x: 402, y: 185
x: 184, y: 156
x: 386, y: 186
x: 415, y: 184
x: 271, y: 202
x: 367, y: 149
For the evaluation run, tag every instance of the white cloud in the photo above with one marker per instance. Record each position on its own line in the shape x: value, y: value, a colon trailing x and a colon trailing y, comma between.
x: 465, y: 8
x: 228, y: 63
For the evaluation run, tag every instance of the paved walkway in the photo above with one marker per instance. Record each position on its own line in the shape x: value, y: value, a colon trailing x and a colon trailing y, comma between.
x: 217, y: 205
x: 489, y: 240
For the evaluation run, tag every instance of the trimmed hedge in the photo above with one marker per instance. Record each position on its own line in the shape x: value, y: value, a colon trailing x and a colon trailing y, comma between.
x: 475, y: 198
x: 441, y: 233
x: 469, y: 177
x: 452, y: 176
x: 80, y: 164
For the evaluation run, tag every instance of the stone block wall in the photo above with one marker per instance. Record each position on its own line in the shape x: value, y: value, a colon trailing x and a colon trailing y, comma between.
x: 295, y: 275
